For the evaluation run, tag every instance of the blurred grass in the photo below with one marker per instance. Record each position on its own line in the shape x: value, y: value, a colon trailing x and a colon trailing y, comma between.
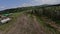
x: 48, y: 29
x: 7, y: 25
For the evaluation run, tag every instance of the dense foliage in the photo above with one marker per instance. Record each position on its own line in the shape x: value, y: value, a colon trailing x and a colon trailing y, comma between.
x: 51, y: 11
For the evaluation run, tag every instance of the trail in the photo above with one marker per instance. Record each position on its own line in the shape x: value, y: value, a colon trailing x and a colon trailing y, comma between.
x: 26, y: 25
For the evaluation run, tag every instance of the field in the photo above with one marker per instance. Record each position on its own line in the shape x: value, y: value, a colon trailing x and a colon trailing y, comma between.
x: 32, y: 20
x: 24, y: 23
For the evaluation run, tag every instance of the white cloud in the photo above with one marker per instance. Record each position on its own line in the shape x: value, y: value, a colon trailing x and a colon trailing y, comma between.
x: 50, y: 1
x: 38, y: 2
x: 32, y: 3
x: 2, y: 7
x: 46, y: 1
x: 26, y: 5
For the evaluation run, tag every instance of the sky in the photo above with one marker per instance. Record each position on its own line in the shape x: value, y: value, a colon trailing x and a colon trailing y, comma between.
x: 7, y: 4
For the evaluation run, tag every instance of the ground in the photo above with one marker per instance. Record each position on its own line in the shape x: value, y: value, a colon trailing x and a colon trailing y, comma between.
x: 26, y: 24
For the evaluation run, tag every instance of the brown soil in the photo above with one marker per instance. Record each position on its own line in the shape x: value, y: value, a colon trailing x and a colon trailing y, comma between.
x: 26, y: 25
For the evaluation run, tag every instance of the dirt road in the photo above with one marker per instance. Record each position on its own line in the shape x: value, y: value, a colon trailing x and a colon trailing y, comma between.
x: 26, y: 25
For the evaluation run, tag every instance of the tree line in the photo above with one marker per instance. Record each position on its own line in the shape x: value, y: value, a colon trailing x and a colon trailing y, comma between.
x: 51, y: 11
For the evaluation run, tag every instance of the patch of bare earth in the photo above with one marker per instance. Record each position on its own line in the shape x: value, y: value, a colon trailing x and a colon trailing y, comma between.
x: 26, y: 25
x: 51, y: 23
x: 1, y: 32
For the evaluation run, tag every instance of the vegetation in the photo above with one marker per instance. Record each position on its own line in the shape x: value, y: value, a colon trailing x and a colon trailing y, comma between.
x: 9, y: 24
x: 50, y: 11
x: 48, y: 28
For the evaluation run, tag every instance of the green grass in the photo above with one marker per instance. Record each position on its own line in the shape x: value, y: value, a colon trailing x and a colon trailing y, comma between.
x: 57, y: 22
x: 47, y: 26
x: 6, y: 25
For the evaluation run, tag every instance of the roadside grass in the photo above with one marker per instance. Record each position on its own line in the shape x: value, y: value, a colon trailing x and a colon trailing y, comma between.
x: 57, y: 22
x: 48, y: 29
x: 14, y: 16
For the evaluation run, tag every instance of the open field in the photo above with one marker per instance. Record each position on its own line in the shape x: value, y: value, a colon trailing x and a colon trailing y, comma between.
x: 42, y: 19
x: 23, y: 23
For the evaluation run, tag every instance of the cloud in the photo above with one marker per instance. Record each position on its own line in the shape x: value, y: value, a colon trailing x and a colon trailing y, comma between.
x: 31, y: 3
x: 26, y: 5
x: 37, y: 2
x: 46, y: 1
x: 50, y: 1
x: 2, y: 7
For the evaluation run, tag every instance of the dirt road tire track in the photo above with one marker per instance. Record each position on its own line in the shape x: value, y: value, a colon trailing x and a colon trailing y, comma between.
x: 26, y: 25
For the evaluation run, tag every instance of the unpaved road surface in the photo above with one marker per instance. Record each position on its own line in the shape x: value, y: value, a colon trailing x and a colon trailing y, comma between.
x: 26, y: 25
